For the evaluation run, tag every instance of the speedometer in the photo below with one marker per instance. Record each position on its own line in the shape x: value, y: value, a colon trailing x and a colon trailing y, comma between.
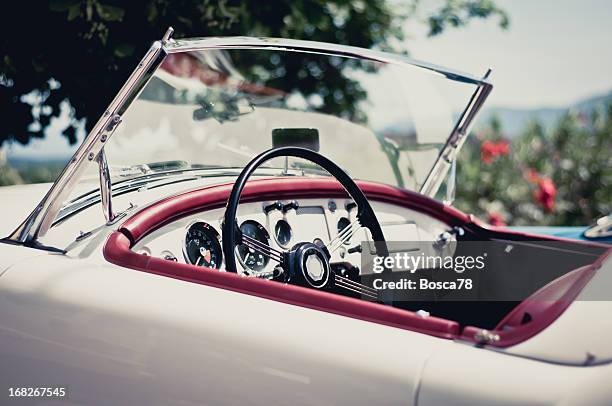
x: 202, y: 246
x: 250, y: 258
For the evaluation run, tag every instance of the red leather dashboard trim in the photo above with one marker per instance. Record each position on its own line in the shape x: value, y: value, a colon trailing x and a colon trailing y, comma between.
x: 212, y: 197
x: 117, y: 249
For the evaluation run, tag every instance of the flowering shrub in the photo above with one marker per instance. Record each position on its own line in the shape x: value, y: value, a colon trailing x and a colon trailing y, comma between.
x: 562, y: 176
x: 490, y: 150
x: 545, y: 194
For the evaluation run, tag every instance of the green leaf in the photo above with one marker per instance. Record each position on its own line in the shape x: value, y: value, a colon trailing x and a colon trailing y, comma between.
x: 110, y: 13
x: 74, y: 11
x: 124, y: 50
x: 152, y: 14
x: 62, y: 5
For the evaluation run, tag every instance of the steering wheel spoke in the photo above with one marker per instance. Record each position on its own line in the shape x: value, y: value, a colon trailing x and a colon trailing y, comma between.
x: 355, y: 287
x: 256, y: 245
x: 343, y: 236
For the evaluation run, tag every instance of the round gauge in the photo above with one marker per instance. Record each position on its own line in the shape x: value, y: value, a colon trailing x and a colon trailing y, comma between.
x: 251, y: 259
x: 282, y: 232
x: 202, y: 246
x: 343, y: 223
x: 168, y: 256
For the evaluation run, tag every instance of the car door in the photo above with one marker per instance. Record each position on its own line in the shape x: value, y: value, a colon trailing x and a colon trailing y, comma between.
x: 113, y: 335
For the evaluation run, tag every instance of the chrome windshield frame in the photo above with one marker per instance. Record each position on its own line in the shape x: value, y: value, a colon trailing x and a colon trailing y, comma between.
x: 42, y: 218
x: 285, y: 44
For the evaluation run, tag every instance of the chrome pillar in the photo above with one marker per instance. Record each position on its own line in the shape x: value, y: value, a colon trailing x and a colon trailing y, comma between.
x: 105, y: 187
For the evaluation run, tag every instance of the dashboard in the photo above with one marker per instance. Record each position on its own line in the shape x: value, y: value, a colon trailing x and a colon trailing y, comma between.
x: 196, y: 239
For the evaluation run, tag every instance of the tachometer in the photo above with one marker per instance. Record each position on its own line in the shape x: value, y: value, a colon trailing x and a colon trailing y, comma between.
x: 251, y: 259
x: 202, y: 246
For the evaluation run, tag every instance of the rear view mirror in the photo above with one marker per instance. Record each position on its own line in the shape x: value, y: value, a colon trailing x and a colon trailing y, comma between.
x: 296, y: 137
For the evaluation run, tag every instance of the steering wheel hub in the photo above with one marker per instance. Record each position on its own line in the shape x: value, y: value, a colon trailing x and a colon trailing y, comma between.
x: 310, y: 265
x: 314, y: 267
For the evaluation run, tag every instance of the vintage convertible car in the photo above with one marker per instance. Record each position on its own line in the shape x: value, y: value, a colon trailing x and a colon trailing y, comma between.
x: 206, y: 244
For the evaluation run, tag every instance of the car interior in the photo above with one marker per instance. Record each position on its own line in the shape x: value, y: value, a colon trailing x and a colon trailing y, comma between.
x: 300, y: 239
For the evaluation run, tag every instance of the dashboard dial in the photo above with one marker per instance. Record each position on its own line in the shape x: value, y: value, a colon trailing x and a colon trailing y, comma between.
x: 251, y: 259
x: 202, y: 246
x: 282, y: 232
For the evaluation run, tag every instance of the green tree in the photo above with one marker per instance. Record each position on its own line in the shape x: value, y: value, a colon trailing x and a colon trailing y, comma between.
x: 79, y: 52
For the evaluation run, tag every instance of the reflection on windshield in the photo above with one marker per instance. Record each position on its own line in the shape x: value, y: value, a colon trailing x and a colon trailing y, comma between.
x: 219, y: 108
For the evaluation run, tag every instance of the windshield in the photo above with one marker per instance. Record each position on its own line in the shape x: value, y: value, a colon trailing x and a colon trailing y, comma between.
x: 219, y: 108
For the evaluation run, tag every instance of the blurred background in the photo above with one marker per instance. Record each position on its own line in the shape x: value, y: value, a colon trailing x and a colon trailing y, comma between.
x: 540, y: 153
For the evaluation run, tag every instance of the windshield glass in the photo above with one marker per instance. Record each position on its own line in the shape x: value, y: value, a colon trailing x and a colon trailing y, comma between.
x: 219, y: 108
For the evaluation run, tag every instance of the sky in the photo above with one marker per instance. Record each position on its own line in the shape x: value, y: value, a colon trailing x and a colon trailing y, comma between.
x: 555, y: 52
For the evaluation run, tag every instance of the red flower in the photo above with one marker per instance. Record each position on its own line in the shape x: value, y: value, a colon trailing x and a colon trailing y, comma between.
x: 487, y: 152
x: 546, y: 193
x: 503, y: 147
x: 496, y: 219
x: 490, y: 150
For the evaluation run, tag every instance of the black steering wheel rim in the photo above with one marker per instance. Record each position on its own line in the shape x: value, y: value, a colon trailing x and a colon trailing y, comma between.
x: 365, y: 213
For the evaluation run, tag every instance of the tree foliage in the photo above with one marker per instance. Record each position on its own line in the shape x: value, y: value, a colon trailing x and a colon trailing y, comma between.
x: 558, y: 177
x: 77, y: 53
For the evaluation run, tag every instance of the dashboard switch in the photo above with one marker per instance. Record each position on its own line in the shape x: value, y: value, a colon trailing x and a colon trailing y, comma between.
x: 350, y: 206
x: 293, y: 205
x: 356, y: 248
x: 274, y: 206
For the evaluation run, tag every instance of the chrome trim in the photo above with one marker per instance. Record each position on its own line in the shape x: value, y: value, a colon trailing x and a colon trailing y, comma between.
x: 486, y: 337
x: 458, y: 136
x: 451, y: 184
x: 325, y: 267
x: 601, y: 229
x: 168, y: 35
x: 40, y: 220
x: 284, y: 44
x: 106, y: 187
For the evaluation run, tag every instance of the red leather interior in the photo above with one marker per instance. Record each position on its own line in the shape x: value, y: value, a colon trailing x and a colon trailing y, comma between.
x: 118, y: 251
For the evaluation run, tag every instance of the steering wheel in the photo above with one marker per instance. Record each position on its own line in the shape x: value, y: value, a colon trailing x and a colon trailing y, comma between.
x: 306, y: 263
